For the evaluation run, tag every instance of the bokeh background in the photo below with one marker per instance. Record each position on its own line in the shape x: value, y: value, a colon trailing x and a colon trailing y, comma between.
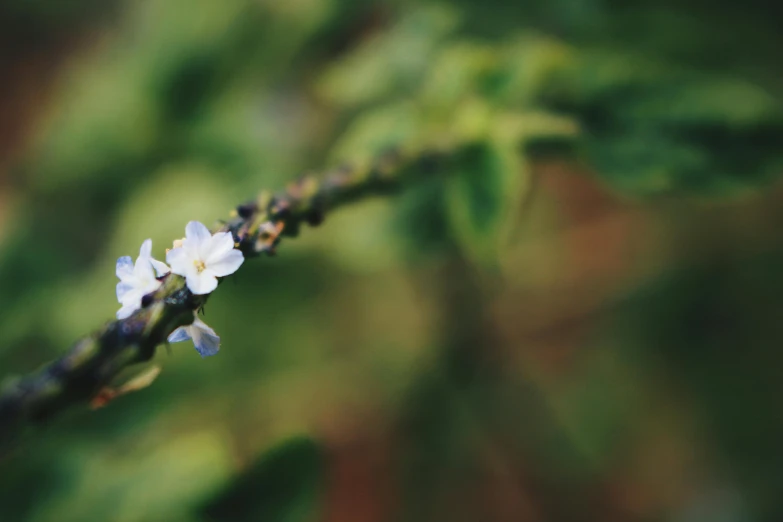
x: 588, y: 329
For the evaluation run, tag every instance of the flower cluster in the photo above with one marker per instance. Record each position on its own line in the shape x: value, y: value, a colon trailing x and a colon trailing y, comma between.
x: 201, y: 257
x: 138, y: 280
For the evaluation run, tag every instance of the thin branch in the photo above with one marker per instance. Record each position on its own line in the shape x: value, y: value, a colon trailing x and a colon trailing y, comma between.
x: 95, y: 360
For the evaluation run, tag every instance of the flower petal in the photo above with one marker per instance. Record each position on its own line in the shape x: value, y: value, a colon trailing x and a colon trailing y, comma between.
x: 127, y: 310
x: 132, y: 296
x: 124, y: 267
x: 122, y: 290
x: 197, y: 232
x: 220, y: 244
x: 179, y: 335
x: 201, y: 325
x: 160, y: 267
x: 228, y: 264
x: 146, y: 248
x: 136, y: 279
x: 202, y: 283
x: 205, y: 341
x: 179, y: 260
x: 142, y: 270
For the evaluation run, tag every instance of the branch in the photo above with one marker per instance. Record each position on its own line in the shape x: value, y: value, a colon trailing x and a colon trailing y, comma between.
x: 95, y: 360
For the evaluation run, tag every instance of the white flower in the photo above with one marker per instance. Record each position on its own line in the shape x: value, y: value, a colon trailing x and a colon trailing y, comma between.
x: 204, y: 257
x: 137, y: 280
x: 204, y: 338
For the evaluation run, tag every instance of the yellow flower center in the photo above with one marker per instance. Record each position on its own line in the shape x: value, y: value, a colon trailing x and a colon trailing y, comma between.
x: 200, y: 266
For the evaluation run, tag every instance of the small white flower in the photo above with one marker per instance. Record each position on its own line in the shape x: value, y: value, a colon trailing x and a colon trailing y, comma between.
x: 137, y: 280
x: 204, y: 338
x: 203, y: 257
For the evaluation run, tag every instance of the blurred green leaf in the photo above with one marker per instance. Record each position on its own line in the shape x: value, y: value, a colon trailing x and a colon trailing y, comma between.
x: 391, y: 62
x: 376, y: 131
x: 143, y: 479
x: 456, y: 73
x: 482, y: 197
x: 283, y: 485
x: 421, y: 219
x: 651, y: 128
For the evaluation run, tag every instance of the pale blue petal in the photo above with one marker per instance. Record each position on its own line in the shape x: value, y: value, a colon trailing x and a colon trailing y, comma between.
x: 197, y: 232
x: 127, y: 310
x: 228, y: 264
x: 122, y: 290
x: 124, y: 267
x: 160, y: 267
x: 202, y: 283
x: 201, y: 325
x: 220, y: 244
x: 179, y: 335
x: 206, y: 343
x: 142, y: 269
x: 179, y: 260
x: 146, y: 248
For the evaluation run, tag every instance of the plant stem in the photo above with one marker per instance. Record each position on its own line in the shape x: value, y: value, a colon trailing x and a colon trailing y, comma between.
x: 258, y: 226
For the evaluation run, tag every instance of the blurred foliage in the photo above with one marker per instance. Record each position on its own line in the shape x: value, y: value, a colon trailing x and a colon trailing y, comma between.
x: 500, y: 342
x: 482, y: 195
x: 283, y: 485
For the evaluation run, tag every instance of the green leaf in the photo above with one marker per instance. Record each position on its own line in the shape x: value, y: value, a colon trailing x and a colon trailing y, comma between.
x: 376, y: 131
x: 389, y: 63
x: 651, y: 128
x: 482, y: 197
x: 282, y: 486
